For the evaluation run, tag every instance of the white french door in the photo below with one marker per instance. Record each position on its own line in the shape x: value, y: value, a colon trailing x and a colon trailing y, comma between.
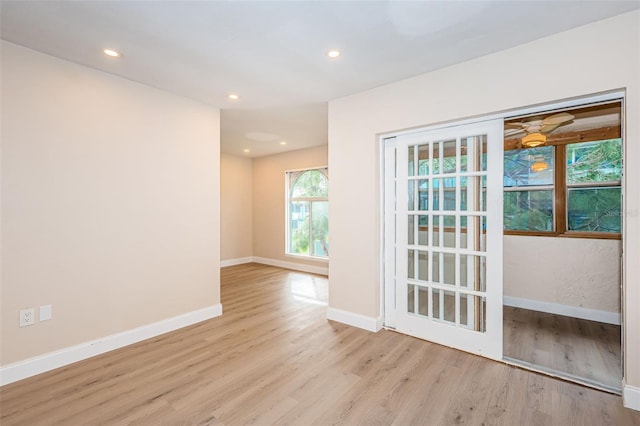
x: 443, y: 236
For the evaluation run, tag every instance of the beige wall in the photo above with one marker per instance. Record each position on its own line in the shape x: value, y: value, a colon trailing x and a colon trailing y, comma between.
x: 557, y: 67
x: 573, y: 272
x: 110, y: 203
x: 269, y: 201
x: 235, y: 207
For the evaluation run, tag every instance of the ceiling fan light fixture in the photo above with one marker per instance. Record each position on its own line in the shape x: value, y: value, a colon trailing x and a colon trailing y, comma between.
x: 539, y: 166
x: 533, y: 140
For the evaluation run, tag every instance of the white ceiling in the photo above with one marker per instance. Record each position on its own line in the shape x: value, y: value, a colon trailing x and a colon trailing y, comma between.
x: 272, y: 53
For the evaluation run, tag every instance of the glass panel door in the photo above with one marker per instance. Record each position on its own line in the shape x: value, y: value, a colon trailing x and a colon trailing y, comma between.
x: 448, y: 242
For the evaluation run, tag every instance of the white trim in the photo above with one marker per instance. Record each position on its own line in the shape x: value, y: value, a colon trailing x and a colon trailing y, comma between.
x: 40, y: 364
x: 287, y: 203
x: 237, y: 261
x: 566, y: 310
x: 304, y: 169
x: 305, y: 257
x: 355, y: 320
x: 387, y: 190
x: 631, y: 397
x: 321, y: 270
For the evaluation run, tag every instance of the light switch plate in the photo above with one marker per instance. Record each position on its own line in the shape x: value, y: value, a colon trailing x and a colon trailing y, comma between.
x: 45, y: 313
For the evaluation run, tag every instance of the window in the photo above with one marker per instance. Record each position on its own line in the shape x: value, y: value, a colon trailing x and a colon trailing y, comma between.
x: 594, y: 193
x: 529, y: 189
x: 571, y: 189
x: 308, y: 213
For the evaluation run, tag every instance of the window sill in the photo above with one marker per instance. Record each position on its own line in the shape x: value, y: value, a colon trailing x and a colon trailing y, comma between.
x: 586, y: 235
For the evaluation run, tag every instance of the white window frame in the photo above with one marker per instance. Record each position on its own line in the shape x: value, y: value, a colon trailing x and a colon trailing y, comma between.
x: 287, y: 177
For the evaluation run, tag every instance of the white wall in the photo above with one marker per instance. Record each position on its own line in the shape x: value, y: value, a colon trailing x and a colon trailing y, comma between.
x: 574, y: 272
x: 110, y: 203
x: 599, y: 57
x: 236, y: 188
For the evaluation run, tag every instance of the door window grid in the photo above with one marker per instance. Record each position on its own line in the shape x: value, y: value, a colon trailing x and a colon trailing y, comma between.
x: 436, y: 187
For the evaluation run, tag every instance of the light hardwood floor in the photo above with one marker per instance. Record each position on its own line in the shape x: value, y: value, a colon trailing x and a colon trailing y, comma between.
x: 582, y: 349
x: 273, y: 358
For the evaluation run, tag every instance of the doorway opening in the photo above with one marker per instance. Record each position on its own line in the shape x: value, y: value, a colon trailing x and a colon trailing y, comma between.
x: 563, y: 243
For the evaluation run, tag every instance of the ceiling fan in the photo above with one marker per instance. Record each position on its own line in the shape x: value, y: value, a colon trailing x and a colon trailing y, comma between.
x: 535, y: 129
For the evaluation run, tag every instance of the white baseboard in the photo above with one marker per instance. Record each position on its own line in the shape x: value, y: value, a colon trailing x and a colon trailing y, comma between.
x: 631, y: 397
x: 238, y: 261
x: 21, y: 370
x: 355, y: 320
x: 569, y: 311
x: 320, y: 270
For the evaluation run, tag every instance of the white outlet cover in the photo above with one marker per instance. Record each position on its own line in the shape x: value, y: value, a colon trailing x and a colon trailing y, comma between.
x: 27, y: 317
x: 45, y: 313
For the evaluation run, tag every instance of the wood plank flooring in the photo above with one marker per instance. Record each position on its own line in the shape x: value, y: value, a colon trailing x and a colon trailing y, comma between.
x: 584, y: 349
x: 273, y: 358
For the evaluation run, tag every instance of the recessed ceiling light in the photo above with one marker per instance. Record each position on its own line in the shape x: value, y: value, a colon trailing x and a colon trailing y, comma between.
x: 112, y: 53
x: 283, y: 143
x: 246, y: 150
x: 234, y: 97
x: 333, y: 53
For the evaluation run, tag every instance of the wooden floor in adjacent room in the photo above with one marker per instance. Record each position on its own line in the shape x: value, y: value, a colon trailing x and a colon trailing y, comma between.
x: 273, y: 358
x: 579, y: 348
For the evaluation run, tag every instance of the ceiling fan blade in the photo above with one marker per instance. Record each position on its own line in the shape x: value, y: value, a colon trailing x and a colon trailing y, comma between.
x: 514, y: 132
x: 559, y: 118
x: 546, y: 128
x: 515, y: 125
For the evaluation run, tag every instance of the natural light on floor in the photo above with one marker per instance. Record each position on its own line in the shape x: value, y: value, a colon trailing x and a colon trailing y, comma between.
x: 309, y: 288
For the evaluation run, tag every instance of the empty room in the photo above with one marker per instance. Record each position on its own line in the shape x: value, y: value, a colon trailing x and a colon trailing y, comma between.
x: 320, y: 212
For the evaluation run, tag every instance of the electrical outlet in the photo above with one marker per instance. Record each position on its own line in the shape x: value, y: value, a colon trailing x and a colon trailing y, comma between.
x: 27, y: 317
